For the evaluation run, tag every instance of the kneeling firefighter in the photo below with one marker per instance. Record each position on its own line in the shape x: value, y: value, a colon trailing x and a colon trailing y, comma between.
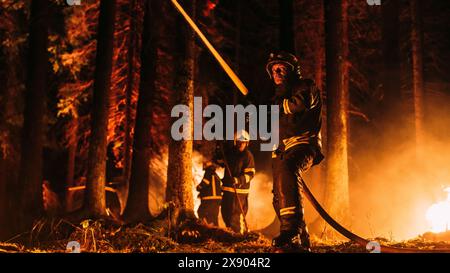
x: 210, y: 195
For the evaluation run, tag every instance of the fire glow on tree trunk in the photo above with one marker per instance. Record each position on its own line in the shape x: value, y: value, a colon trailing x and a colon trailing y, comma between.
x: 319, y: 60
x: 129, y: 94
x: 137, y: 207
x: 337, y: 192
x: 95, y: 200
x: 179, y: 173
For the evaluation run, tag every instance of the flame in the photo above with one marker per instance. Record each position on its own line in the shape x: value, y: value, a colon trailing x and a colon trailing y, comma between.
x: 260, y: 211
x: 438, y: 214
x: 197, y: 173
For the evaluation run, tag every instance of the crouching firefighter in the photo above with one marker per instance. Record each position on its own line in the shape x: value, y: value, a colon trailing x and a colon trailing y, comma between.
x: 239, y: 171
x: 300, y: 146
x: 210, y: 194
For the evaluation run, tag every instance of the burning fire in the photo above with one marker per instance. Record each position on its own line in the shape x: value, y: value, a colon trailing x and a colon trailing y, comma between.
x: 438, y: 215
x: 197, y: 172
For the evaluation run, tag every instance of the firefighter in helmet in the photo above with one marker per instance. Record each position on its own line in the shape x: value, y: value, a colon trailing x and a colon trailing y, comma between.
x: 210, y: 194
x: 239, y: 171
x: 300, y: 146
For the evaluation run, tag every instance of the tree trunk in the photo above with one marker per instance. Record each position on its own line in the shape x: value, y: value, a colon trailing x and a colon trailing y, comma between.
x: 337, y: 189
x: 137, y: 208
x: 179, y: 172
x: 287, y: 40
x: 4, y: 131
x: 71, y: 156
x: 319, y: 54
x: 129, y: 94
x: 417, y: 75
x: 30, y: 174
x: 318, y: 173
x: 95, y: 201
x: 3, y: 197
x: 237, y: 55
x: 391, y: 51
x: 319, y: 60
x: 390, y: 115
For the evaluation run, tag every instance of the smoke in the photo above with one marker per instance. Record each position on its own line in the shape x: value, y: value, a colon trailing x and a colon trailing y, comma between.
x: 260, y: 212
x: 391, y: 200
x: 391, y: 189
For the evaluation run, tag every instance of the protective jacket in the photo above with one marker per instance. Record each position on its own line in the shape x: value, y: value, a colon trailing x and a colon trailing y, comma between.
x: 300, y: 115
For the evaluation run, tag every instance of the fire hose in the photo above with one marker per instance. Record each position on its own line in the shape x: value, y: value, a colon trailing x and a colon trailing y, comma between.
x: 322, y: 212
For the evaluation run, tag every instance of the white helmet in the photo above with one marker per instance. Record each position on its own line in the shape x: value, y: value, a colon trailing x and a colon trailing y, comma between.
x: 242, y: 136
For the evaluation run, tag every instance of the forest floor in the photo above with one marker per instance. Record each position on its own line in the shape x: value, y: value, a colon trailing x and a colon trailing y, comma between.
x: 52, y: 236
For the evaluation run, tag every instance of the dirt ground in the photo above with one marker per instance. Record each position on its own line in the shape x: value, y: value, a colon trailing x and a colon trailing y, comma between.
x: 53, y: 236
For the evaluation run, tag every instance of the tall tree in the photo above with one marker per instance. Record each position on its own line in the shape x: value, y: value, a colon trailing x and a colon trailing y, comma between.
x: 179, y: 170
x: 13, y: 29
x: 95, y: 201
x: 319, y: 53
x: 73, y: 62
x: 30, y: 174
x: 3, y: 154
x: 391, y: 67
x: 129, y: 93
x: 137, y: 208
x: 287, y: 40
x: 337, y: 188
x: 319, y: 75
x: 417, y: 71
x: 310, y: 47
x: 237, y: 41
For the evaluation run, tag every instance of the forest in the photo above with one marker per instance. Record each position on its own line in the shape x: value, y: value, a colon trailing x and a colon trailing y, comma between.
x: 88, y: 88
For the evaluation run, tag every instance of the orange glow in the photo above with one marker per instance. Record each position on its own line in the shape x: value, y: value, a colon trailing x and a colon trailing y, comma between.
x: 438, y: 215
x: 197, y: 172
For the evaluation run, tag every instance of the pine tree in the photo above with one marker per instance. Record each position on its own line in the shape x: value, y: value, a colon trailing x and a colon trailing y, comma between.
x: 337, y: 188
x: 95, y: 201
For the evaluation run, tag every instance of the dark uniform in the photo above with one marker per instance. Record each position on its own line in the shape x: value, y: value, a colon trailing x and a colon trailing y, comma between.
x: 242, y: 167
x: 300, y: 148
x: 211, y: 196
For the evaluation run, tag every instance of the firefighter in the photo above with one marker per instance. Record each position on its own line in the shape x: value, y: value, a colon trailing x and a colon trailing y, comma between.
x: 236, y: 182
x: 300, y: 146
x: 210, y: 194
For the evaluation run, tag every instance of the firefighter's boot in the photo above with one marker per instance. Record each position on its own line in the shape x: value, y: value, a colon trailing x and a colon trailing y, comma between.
x: 293, y: 236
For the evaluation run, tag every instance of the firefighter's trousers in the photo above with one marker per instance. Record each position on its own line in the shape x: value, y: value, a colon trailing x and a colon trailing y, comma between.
x: 209, y: 211
x: 287, y: 168
x: 231, y: 211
